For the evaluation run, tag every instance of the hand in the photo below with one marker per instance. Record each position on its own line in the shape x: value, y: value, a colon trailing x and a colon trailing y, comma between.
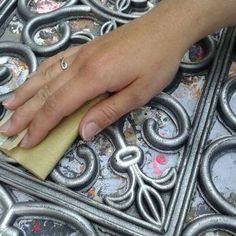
x: 133, y: 64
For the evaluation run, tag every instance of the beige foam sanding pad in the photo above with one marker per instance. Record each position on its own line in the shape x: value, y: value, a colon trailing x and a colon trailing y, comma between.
x: 41, y: 159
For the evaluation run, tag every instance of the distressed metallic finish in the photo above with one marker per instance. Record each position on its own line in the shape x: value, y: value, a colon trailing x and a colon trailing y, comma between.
x: 118, y: 221
x: 198, y: 66
x: 179, y: 116
x: 143, y: 203
x: 108, y: 27
x: 123, y: 5
x: 201, y: 126
x: 5, y: 75
x: 51, y: 19
x: 14, y: 210
x: 87, y: 177
x: 6, y: 7
x: 27, y: 14
x: 208, y: 223
x: 228, y: 115
x: 121, y: 11
x: 128, y: 159
x: 173, y: 85
x: 22, y: 52
x: 213, y: 152
x: 81, y: 37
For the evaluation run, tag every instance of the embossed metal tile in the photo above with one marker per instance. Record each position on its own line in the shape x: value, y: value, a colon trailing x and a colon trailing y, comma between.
x: 167, y: 168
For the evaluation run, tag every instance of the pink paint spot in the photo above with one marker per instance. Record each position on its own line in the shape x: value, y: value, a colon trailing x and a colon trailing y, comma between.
x: 155, y: 167
x: 163, y: 134
x: 36, y: 227
x: 161, y: 159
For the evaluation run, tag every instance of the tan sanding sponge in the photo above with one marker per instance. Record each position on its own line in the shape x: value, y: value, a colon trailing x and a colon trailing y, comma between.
x: 41, y: 159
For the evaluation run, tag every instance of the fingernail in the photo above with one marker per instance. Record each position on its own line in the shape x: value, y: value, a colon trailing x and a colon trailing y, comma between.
x: 24, y: 142
x: 90, y: 130
x: 9, y: 100
x: 5, y: 127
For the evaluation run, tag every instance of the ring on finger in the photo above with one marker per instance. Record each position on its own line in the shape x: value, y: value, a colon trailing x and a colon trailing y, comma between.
x: 63, y: 63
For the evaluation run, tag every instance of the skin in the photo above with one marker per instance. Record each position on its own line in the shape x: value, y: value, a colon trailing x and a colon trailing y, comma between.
x: 133, y: 64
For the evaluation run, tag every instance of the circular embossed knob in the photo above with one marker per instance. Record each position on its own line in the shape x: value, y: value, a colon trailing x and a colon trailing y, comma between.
x: 5, y: 75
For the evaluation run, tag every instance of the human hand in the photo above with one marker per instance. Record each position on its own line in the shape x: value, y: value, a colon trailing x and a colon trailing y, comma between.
x: 133, y: 64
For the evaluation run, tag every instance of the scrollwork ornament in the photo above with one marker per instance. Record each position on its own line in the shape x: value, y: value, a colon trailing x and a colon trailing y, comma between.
x: 87, y: 178
x: 217, y: 148
x: 128, y: 159
x: 52, y: 19
x: 228, y: 115
x: 178, y: 114
x: 27, y: 14
x: 9, y: 81
x: 122, y: 11
x: 209, y: 223
x: 209, y: 48
x: 13, y: 210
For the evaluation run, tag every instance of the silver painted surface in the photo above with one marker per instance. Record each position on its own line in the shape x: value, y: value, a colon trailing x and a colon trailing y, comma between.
x: 22, y: 52
x: 138, y: 177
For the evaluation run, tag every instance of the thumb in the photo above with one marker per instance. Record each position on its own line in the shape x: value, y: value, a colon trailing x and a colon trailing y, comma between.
x: 110, y: 110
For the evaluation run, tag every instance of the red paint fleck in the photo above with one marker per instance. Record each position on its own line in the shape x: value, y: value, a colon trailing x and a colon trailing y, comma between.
x: 161, y: 159
x: 155, y: 167
x: 36, y: 227
x: 163, y: 134
x: 196, y: 53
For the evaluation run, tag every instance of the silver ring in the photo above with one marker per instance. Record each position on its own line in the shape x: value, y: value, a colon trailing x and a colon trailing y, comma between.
x: 63, y: 63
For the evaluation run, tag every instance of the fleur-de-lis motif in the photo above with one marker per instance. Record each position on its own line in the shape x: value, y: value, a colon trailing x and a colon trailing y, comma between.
x: 129, y: 158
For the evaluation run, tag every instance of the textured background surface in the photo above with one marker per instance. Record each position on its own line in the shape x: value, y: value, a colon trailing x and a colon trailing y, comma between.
x: 154, y: 188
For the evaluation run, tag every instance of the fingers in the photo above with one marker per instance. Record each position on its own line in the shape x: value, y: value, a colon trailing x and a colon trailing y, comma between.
x: 57, y: 106
x: 110, y: 110
x: 47, y: 71
x: 25, y: 113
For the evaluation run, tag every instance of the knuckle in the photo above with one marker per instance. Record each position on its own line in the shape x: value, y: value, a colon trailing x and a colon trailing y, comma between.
x: 91, y: 68
x: 87, y: 69
x: 50, y: 106
x: 44, y: 93
x: 109, y: 114
x: 84, y: 53
x: 87, y: 51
